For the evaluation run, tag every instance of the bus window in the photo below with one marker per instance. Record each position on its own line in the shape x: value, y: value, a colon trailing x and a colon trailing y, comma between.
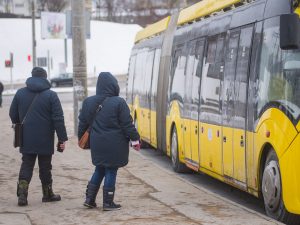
x: 139, y: 71
x: 229, y: 77
x: 130, y: 79
x: 241, y: 81
x: 197, y: 77
x: 178, y: 74
x: 189, y: 78
x: 213, y: 70
x: 278, y: 82
x: 155, y: 79
x: 148, y: 77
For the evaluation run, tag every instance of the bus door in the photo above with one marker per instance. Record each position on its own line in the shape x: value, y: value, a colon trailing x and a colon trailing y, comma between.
x: 192, y: 102
x: 187, y: 100
x: 235, y: 103
x: 153, y: 98
x: 146, y: 114
x: 211, y: 105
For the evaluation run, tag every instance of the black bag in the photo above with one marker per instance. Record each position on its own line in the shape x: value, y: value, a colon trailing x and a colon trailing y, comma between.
x: 18, y: 128
x: 18, y: 137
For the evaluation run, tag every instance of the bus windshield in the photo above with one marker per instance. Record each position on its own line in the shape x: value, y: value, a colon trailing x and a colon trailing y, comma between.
x: 279, y: 76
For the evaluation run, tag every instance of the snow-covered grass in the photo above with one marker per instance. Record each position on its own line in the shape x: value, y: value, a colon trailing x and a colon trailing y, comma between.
x: 107, y: 50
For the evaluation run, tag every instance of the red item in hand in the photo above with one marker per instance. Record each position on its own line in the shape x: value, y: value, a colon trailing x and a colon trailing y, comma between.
x: 137, y: 147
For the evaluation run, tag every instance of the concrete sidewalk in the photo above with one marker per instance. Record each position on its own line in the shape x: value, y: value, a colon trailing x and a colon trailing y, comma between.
x: 148, y: 193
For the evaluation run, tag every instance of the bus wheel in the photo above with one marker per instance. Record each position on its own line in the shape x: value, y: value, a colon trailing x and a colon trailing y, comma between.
x: 271, y: 189
x: 176, y: 164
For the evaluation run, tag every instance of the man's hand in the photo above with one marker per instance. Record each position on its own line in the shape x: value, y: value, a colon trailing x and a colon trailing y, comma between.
x: 136, y: 145
x: 61, y: 146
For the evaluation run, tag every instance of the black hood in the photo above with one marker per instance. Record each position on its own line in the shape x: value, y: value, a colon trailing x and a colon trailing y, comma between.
x: 107, y: 85
x: 37, y: 84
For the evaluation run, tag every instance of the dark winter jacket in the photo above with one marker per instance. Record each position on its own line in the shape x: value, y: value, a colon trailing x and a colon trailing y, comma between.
x: 44, y: 118
x: 112, y: 128
x: 1, y: 88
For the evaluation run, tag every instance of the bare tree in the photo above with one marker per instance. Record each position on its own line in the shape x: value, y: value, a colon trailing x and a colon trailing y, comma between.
x: 56, y: 5
x: 41, y: 5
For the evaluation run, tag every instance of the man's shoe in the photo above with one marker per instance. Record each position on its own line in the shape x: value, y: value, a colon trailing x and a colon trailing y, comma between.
x: 22, y: 192
x: 48, y: 195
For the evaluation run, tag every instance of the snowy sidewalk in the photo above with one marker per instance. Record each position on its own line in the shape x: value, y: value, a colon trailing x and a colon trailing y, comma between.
x: 148, y: 193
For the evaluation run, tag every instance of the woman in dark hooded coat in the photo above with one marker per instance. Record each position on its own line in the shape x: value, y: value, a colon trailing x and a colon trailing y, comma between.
x: 111, y: 131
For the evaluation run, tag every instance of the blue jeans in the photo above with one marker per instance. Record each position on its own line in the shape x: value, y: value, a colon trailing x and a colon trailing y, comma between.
x: 110, y: 175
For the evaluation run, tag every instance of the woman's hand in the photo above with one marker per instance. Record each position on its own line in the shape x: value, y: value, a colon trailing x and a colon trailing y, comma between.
x: 136, y: 145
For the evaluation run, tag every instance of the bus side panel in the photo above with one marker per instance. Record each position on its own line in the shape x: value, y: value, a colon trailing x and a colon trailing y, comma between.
x: 252, y: 181
x: 290, y: 173
x: 137, y: 112
x: 174, y: 118
x: 153, y: 134
x: 276, y: 129
x: 186, y: 138
x: 282, y: 131
x: 210, y: 148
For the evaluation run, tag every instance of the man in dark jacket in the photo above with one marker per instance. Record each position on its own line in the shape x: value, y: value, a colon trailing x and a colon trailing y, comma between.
x: 1, y: 90
x: 111, y: 131
x: 43, y: 115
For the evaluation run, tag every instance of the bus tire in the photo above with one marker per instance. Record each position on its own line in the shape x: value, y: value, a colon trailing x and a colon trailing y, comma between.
x: 177, y: 166
x: 272, y: 192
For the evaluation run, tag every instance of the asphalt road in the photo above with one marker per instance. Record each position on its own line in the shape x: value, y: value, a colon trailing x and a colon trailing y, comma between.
x: 198, y: 180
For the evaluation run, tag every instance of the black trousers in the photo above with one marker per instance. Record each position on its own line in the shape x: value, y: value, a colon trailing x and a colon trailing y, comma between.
x: 45, y: 167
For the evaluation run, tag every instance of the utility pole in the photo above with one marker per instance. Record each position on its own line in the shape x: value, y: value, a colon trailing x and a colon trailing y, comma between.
x: 79, y: 57
x: 66, y: 51
x: 33, y: 34
x: 11, y: 73
x: 48, y: 64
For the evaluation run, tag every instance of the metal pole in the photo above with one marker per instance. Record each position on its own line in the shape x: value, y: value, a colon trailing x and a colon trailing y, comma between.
x: 33, y: 34
x: 79, y: 57
x: 11, y: 79
x: 66, y: 52
x: 48, y: 63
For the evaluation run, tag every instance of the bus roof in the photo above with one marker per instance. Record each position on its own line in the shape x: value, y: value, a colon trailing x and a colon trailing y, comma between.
x: 203, y: 8
x: 198, y: 10
x: 153, y: 29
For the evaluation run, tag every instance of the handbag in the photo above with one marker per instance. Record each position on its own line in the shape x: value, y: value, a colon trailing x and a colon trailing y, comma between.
x: 84, y: 141
x: 18, y: 128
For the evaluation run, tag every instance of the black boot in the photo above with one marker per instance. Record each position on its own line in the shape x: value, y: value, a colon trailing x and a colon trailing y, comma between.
x: 91, y: 194
x: 22, y: 192
x: 108, y: 200
x: 48, y: 195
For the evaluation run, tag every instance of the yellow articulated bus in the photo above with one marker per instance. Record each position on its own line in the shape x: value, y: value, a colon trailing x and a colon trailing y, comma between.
x: 216, y: 86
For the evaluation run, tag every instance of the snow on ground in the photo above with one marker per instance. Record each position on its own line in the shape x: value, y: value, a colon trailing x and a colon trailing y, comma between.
x: 57, y: 90
x: 107, y: 50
